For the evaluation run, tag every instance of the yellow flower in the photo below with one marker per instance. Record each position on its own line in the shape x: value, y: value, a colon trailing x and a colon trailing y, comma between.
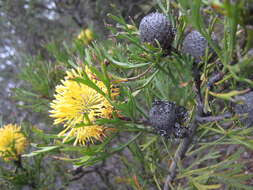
x: 84, y: 134
x: 89, y: 34
x: 76, y: 103
x: 12, y: 142
x: 86, y: 36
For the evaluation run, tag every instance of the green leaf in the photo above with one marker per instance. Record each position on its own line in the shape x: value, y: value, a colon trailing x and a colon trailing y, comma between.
x: 90, y: 84
x: 126, y: 65
x: 206, y: 187
x: 228, y: 95
x: 41, y: 151
x: 99, y: 156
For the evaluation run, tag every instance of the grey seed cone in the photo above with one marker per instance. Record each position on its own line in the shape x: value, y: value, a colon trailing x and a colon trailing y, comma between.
x: 166, y: 118
x: 195, y: 45
x: 246, y: 107
x: 156, y: 26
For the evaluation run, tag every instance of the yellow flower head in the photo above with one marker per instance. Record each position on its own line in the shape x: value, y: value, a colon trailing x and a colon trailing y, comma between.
x: 76, y: 103
x: 86, y: 36
x: 12, y: 142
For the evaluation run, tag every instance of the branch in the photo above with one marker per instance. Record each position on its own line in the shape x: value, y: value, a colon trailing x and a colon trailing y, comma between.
x: 199, y: 118
x: 83, y: 173
x: 180, y: 153
x: 184, y: 145
x: 197, y: 89
x: 214, y: 79
x: 213, y: 118
x: 80, y: 171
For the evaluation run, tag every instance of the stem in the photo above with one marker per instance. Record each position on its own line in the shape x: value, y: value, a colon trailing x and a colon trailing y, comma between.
x: 20, y: 168
x: 184, y: 145
x: 180, y: 153
x: 213, y: 118
x: 19, y: 164
x: 83, y: 173
x: 215, y: 78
